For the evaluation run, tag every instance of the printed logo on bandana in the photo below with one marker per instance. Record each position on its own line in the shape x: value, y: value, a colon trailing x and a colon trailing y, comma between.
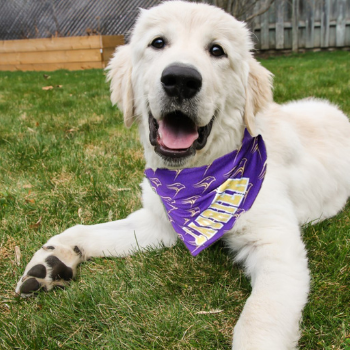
x: 224, y: 206
x: 204, y: 202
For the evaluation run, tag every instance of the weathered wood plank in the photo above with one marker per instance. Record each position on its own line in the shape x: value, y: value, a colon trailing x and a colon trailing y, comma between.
x: 59, y: 44
x: 288, y: 39
x: 91, y: 55
x: 113, y: 41
x: 51, y: 44
x: 347, y: 36
x: 295, y: 25
x: 265, y: 30
x: 317, y: 42
x: 325, y: 23
x: 310, y: 24
x: 107, y: 54
x: 51, y: 66
x: 332, y: 36
x: 280, y: 24
x: 256, y: 25
x: 341, y: 23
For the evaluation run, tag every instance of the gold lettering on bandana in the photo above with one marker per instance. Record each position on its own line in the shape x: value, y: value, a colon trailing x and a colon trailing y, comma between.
x: 224, y: 205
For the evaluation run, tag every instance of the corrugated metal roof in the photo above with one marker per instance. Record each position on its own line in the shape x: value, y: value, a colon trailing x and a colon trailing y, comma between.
x: 20, y: 19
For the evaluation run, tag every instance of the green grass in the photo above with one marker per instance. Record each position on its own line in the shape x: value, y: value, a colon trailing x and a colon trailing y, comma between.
x: 65, y: 158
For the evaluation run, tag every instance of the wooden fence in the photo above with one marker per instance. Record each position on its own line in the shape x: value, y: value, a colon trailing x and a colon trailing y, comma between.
x: 303, y: 24
x: 71, y: 53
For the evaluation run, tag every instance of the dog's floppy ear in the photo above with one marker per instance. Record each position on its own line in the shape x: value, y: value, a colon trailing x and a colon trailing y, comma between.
x: 258, y: 92
x: 119, y: 74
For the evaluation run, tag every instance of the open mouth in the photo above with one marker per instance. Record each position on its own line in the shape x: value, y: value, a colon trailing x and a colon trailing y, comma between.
x: 176, y: 136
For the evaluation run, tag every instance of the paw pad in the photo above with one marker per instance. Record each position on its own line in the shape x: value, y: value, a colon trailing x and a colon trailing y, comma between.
x: 46, y: 271
x: 59, y: 269
x: 30, y: 285
x: 38, y: 271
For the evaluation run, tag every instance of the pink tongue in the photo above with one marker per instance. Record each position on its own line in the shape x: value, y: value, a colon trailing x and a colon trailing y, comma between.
x: 176, y: 135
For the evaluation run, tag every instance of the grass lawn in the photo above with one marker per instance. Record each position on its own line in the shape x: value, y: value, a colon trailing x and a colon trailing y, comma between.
x: 65, y: 158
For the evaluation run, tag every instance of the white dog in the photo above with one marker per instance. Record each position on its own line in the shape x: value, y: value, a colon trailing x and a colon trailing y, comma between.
x: 188, y: 79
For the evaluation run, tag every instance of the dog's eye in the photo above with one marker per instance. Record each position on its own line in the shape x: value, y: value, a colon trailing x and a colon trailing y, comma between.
x: 158, y: 43
x: 217, y: 51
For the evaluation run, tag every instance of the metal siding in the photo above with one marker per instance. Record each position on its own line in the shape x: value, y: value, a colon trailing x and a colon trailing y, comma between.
x: 21, y: 19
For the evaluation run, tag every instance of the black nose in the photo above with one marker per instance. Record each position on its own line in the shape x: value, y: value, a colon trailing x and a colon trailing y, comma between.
x: 181, y: 81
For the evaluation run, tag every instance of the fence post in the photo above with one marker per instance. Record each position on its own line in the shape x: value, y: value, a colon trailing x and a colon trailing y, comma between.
x: 341, y: 23
x: 295, y: 25
x: 310, y: 24
x: 279, y: 24
x: 265, y: 31
x: 325, y: 23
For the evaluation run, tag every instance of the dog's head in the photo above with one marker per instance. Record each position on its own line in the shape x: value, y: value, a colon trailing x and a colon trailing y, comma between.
x: 189, y: 80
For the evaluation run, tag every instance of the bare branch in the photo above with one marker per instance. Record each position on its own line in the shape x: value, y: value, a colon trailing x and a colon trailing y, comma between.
x: 240, y: 8
x: 269, y: 3
x: 246, y: 9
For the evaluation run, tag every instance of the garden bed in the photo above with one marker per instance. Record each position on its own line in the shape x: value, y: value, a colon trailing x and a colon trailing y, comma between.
x: 73, y: 53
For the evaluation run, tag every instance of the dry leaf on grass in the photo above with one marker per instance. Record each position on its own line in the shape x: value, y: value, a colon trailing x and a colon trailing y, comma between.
x: 51, y: 87
x: 17, y: 255
x: 215, y: 311
x: 37, y: 224
x: 6, y: 249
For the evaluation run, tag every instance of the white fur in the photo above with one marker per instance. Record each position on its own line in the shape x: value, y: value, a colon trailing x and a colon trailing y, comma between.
x: 307, y: 180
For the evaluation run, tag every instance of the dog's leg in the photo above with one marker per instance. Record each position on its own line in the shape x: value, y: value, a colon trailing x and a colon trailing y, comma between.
x: 275, y: 259
x: 56, y: 262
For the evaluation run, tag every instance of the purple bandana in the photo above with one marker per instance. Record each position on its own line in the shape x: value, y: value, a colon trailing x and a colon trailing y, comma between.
x: 204, y: 202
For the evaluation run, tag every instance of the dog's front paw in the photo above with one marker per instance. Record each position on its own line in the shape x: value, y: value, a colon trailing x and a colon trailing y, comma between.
x: 52, y: 265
